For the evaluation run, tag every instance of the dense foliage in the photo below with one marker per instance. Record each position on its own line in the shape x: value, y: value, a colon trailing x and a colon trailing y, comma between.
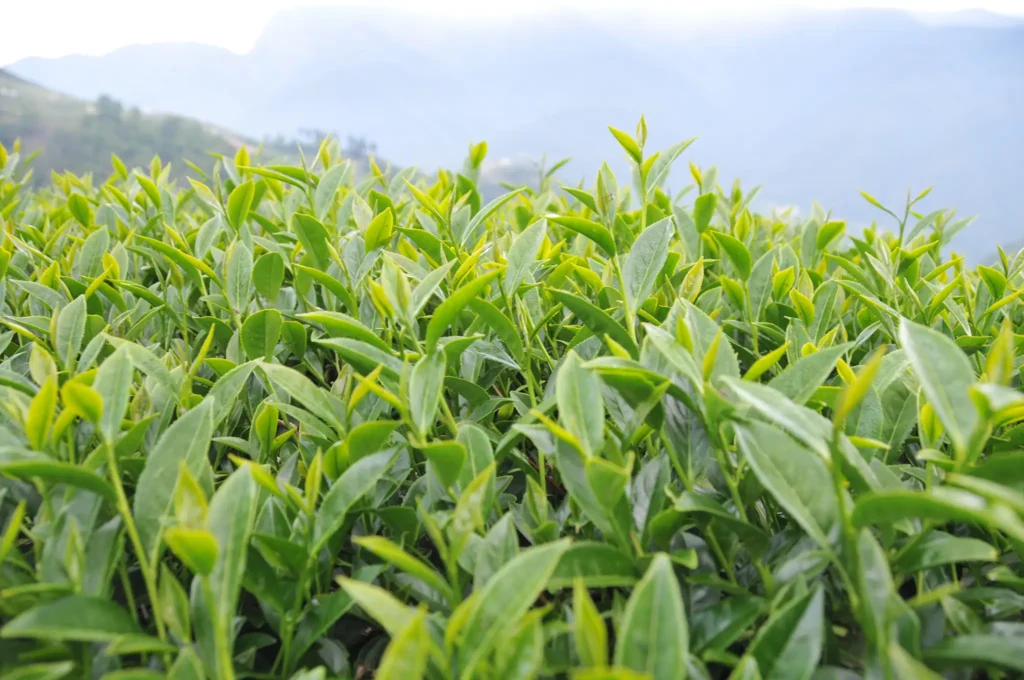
x: 279, y: 422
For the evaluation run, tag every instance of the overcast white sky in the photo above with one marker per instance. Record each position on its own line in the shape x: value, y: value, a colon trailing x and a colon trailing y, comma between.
x: 51, y: 28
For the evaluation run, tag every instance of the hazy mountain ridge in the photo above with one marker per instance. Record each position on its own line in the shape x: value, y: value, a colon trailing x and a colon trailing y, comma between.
x: 63, y: 132
x: 813, y: 106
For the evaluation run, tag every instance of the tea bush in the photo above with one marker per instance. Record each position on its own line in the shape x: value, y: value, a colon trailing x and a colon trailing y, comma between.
x: 286, y: 422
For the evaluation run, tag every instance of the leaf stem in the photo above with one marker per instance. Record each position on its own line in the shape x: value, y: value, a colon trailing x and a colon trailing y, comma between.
x: 148, y: 575
x: 626, y: 305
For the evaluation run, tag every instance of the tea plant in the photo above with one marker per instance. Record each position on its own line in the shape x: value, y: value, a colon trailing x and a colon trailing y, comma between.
x: 286, y: 422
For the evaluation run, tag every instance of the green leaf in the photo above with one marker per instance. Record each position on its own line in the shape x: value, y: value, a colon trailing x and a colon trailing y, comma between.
x: 596, y: 319
x: 298, y: 386
x: 330, y: 283
x: 703, y: 211
x: 680, y: 359
x: 113, y: 383
x: 653, y: 635
x: 31, y: 465
x: 906, y: 667
x: 379, y: 231
x: 428, y: 287
x: 313, y: 237
x: 226, y: 390
x: 196, y: 548
x: 239, y: 203
x: 239, y: 276
x: 367, y: 438
x: 506, y: 598
x: 356, y: 482
x: 341, y: 325
x: 736, y: 251
x: 945, y: 375
x: 317, y: 620
x: 660, y: 170
x: 268, y: 275
x: 876, y: 586
x: 589, y: 631
x: 406, y: 656
x: 186, y: 441
x: 78, y: 206
x: 607, y: 480
x: 190, y: 265
x: 627, y: 143
x: 940, y: 504
x: 717, y: 627
x: 692, y: 503
x: 523, y: 255
x: 148, y: 363
x: 70, y: 331
x: 425, y: 384
x: 327, y: 188
x: 502, y: 326
x: 364, y: 357
x: 795, y: 477
x: 828, y: 233
x: 446, y: 459
x: 39, y: 420
x: 580, y: 404
x: 41, y: 671
x: 484, y: 213
x: 800, y: 380
x: 231, y: 517
x: 940, y: 548
x: 972, y: 651
x: 381, y: 605
x: 596, y: 232
x: 598, y: 565
x: 76, y: 618
x: 393, y: 554
x: 500, y: 545
x: 645, y: 260
x: 790, y: 644
x: 260, y: 334
x: 448, y: 310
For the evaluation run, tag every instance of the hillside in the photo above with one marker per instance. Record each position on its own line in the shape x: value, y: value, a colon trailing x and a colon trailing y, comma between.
x: 68, y: 133
x: 77, y: 135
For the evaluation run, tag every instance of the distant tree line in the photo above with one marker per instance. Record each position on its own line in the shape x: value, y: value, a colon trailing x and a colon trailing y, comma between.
x: 79, y: 137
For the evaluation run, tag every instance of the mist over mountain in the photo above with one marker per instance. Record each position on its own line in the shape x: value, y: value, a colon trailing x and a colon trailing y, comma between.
x: 810, y: 105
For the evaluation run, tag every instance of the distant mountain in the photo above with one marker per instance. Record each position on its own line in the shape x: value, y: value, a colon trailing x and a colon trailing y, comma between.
x: 67, y: 133
x: 812, y: 105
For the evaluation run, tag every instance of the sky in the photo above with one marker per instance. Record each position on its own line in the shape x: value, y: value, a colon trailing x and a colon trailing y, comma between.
x: 53, y: 28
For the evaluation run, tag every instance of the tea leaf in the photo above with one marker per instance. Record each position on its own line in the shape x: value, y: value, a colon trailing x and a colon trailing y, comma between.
x: 186, y: 441
x: 76, y: 618
x: 790, y: 644
x: 653, y: 636
x: 447, y: 311
x: 260, y: 334
x: 425, y: 382
x: 645, y: 260
x: 506, y: 597
x: 580, y: 406
x: 945, y: 375
x: 356, y: 482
